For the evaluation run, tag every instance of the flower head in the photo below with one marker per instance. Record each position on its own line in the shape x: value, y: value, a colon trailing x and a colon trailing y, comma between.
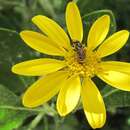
x: 71, y: 77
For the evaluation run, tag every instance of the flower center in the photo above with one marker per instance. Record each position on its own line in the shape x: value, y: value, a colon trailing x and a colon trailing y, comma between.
x: 83, y: 62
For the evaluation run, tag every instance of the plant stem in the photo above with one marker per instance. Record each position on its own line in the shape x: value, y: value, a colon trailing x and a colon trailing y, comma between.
x: 51, y: 111
x: 45, y: 120
x: 46, y: 109
x: 110, y: 92
x: 57, y: 122
x: 22, y: 108
x: 36, y: 120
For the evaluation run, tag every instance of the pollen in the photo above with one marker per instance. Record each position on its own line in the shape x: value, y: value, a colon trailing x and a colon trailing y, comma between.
x: 89, y: 67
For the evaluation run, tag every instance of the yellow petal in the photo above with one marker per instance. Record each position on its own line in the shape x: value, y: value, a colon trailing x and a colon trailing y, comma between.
x: 116, y: 79
x: 98, y: 31
x: 52, y: 30
x: 93, y: 104
x: 74, y: 22
x: 113, y: 43
x: 41, y: 43
x: 38, y: 67
x: 68, y: 96
x: 116, y: 66
x: 43, y: 89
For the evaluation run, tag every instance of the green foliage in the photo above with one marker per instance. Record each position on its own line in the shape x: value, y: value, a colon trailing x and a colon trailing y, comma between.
x: 10, y: 119
x: 12, y: 50
x: 16, y: 15
x: 91, y: 17
x: 115, y: 98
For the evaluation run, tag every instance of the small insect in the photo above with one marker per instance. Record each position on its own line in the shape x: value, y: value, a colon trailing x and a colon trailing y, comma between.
x: 79, y: 48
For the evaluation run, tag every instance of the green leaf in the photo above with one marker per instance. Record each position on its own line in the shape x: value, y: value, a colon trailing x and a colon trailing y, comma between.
x: 115, y: 98
x: 12, y: 51
x: 10, y: 119
x: 88, y: 20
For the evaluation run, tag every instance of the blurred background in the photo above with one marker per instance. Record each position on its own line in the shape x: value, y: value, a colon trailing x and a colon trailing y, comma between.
x: 15, y: 15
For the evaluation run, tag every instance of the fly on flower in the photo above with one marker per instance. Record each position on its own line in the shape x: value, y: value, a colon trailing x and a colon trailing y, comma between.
x: 81, y: 63
x: 80, y: 50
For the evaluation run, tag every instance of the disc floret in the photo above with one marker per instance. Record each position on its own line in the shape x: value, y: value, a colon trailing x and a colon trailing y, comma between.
x: 89, y: 67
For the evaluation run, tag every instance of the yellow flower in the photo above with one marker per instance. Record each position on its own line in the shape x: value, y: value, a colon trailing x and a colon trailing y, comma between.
x: 71, y: 77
